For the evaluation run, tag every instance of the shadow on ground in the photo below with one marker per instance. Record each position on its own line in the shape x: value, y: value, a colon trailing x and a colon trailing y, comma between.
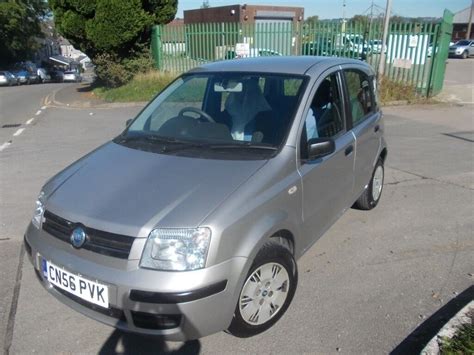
x: 126, y: 343
x: 417, y: 340
x: 86, y: 87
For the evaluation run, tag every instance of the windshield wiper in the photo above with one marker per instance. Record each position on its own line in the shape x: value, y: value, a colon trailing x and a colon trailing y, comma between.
x: 177, y: 144
x: 150, y: 138
x: 248, y: 145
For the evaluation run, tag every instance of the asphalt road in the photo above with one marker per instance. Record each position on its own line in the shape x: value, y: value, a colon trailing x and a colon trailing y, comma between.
x: 363, y: 288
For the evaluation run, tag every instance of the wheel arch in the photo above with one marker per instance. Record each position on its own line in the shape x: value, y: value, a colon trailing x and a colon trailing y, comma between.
x: 383, y: 154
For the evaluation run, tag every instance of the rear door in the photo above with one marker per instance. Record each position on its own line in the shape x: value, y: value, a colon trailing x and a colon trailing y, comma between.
x: 364, y: 119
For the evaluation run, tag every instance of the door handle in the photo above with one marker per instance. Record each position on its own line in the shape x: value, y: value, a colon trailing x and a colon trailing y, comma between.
x: 376, y: 128
x: 349, y: 150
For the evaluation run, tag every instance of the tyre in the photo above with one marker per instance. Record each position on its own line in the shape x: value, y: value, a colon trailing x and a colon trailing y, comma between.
x: 464, y: 55
x: 267, y: 291
x: 371, y: 195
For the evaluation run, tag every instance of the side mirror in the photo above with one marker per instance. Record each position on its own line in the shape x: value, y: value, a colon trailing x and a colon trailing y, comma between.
x: 127, y: 122
x: 320, y: 147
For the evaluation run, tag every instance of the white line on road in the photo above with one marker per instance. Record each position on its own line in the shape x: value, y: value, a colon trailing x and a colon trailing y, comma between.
x: 30, y: 120
x: 18, y: 132
x: 38, y: 113
x: 4, y: 145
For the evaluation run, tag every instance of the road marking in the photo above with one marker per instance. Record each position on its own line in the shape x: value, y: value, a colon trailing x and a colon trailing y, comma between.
x: 18, y: 132
x: 38, y: 113
x: 30, y: 120
x: 4, y: 145
x: 43, y: 107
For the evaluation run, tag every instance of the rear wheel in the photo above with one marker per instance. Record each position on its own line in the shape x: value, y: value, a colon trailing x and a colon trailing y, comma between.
x: 267, y: 292
x: 371, y: 195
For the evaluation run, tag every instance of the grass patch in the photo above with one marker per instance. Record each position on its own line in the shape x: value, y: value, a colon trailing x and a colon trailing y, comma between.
x: 141, y: 88
x: 461, y: 343
x: 390, y: 91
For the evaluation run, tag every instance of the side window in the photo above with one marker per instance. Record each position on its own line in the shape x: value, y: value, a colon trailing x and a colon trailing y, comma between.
x: 325, y: 116
x: 360, y: 97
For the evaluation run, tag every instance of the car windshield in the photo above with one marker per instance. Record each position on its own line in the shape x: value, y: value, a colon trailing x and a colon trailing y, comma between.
x: 218, y: 112
x: 463, y: 43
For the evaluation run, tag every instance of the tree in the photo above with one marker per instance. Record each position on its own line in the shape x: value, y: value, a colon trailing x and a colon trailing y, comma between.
x: 360, y: 19
x: 19, y: 28
x: 205, y: 4
x: 311, y: 20
x: 115, y: 34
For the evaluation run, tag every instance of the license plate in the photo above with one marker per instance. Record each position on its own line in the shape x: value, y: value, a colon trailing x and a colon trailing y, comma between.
x: 85, y: 289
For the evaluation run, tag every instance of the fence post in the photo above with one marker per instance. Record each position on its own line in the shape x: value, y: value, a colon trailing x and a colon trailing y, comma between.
x: 440, y: 55
x: 156, y: 49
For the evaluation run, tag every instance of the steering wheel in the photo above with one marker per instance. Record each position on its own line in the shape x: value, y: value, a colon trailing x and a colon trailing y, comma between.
x: 201, y: 113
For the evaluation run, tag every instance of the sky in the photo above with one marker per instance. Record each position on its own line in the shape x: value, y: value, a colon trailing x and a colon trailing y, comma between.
x: 327, y: 9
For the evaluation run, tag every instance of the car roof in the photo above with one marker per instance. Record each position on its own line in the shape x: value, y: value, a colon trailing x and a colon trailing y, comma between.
x: 298, y: 65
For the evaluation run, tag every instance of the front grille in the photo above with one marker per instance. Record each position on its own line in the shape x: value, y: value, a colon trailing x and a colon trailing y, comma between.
x: 110, y: 312
x: 97, y: 241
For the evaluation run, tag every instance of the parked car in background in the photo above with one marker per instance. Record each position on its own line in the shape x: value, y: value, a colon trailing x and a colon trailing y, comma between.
x: 23, y: 76
x: 352, y: 45
x: 254, y: 52
x: 7, y: 78
x: 43, y: 75
x: 191, y: 220
x: 462, y: 49
x: 57, y: 75
x: 321, y: 47
x: 72, y: 76
x: 375, y: 46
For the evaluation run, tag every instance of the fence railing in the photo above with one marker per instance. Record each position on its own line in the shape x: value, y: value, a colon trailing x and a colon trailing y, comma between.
x: 410, y: 50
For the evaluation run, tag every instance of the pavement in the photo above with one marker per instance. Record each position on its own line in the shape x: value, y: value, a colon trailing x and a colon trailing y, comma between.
x: 459, y: 83
x: 366, y: 286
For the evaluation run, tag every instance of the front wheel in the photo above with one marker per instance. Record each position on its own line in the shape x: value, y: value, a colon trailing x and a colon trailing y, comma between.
x: 267, y: 291
x: 371, y: 195
x: 464, y: 55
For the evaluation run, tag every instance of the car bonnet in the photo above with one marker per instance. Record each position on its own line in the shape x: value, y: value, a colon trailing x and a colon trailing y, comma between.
x: 127, y: 191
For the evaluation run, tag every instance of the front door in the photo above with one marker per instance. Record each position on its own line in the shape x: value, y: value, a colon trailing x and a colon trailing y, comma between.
x: 328, y: 181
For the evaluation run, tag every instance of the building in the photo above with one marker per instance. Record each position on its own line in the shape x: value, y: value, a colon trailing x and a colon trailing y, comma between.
x: 247, y: 24
x: 461, y: 24
x: 245, y: 14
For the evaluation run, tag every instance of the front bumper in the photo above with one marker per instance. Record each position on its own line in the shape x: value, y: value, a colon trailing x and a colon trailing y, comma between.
x: 176, y: 305
x: 455, y: 53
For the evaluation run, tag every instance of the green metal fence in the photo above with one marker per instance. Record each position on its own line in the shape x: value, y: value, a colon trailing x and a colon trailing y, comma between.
x: 415, y: 52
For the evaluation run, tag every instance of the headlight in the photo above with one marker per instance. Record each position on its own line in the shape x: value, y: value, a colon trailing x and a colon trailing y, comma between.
x: 39, y: 211
x: 176, y: 249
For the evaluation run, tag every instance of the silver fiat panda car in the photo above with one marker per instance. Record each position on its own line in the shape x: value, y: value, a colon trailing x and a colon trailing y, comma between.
x: 191, y: 220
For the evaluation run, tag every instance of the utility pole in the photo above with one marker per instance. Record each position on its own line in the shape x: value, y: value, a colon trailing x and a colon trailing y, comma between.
x: 344, y: 15
x: 468, y: 33
x: 386, y: 22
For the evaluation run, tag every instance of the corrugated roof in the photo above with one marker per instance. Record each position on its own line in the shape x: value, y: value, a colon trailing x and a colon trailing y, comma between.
x: 462, y: 16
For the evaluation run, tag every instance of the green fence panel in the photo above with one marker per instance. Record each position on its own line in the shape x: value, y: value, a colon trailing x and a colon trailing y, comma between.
x: 180, y: 48
x: 440, y: 54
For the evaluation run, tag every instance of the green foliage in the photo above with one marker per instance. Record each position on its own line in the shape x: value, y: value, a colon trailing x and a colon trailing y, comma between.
x: 461, y: 343
x: 117, y: 23
x: 164, y: 11
x: 19, y: 28
x: 311, y: 21
x: 115, y: 34
x: 143, y: 87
